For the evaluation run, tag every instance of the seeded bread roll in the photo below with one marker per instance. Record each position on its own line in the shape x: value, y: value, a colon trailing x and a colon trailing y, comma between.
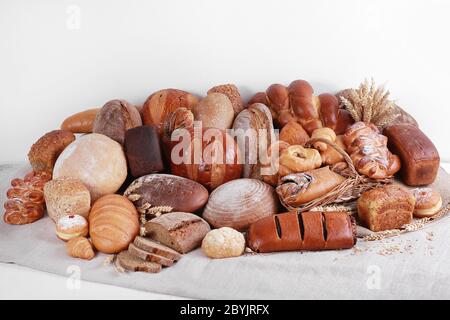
x: 46, y: 150
x: 180, y: 231
x: 132, y: 263
x: 65, y: 196
x: 232, y: 92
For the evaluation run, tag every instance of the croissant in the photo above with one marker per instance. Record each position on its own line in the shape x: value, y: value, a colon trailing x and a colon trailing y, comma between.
x: 299, y: 188
x: 26, y: 202
x: 324, y: 133
x: 80, y: 247
x: 298, y: 103
x: 368, y: 151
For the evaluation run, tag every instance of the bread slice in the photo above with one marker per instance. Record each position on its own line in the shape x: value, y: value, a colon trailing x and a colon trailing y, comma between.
x: 132, y: 263
x: 151, y: 246
x: 147, y: 256
x: 180, y: 231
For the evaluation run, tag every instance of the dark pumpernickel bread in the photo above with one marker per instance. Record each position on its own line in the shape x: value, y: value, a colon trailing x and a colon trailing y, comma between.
x: 132, y: 263
x: 144, y: 255
x: 180, y: 231
x: 151, y: 246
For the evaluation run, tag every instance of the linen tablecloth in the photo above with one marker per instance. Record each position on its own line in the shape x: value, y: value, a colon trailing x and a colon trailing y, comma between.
x: 415, y: 265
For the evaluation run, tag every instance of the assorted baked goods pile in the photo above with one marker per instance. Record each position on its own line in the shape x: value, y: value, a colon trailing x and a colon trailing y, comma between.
x: 152, y: 183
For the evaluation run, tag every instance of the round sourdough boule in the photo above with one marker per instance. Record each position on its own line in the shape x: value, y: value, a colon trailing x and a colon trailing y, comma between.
x: 428, y: 202
x: 97, y: 161
x: 223, y: 243
x: 66, y: 196
x: 44, y: 152
x: 113, y: 223
x: 232, y: 92
x: 239, y: 203
x: 115, y: 118
x: 158, y: 189
x: 214, y: 111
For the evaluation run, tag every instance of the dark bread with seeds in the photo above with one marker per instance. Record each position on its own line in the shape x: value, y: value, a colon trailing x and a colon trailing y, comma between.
x: 151, y: 246
x: 132, y: 263
x: 147, y: 256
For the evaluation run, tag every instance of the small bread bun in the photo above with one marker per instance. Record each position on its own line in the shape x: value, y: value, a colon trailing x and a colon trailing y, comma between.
x: 428, y: 202
x: 72, y: 226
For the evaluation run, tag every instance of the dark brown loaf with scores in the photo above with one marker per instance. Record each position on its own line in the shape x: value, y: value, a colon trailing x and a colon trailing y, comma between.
x: 155, y: 190
x: 304, y: 231
x: 420, y: 158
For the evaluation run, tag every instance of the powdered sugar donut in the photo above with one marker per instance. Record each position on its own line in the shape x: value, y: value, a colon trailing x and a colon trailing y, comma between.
x: 72, y: 226
x: 428, y: 202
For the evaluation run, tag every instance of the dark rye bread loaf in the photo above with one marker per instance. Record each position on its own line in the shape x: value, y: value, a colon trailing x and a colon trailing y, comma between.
x: 147, y: 256
x: 180, y: 231
x: 167, y: 190
x: 151, y: 246
x: 133, y: 263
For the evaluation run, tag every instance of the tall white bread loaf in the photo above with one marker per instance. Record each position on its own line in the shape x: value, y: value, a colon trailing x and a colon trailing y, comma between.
x: 180, y: 231
x: 97, y: 161
x: 66, y: 196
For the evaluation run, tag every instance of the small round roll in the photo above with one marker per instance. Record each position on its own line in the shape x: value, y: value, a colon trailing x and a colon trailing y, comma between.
x: 428, y: 202
x: 71, y: 226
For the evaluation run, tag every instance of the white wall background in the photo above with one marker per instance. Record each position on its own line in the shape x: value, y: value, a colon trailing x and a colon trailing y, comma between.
x: 52, y: 65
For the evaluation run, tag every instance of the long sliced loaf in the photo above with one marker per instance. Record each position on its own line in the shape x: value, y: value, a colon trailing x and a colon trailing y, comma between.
x: 133, y: 263
x: 180, y: 231
x: 147, y: 256
x: 151, y: 246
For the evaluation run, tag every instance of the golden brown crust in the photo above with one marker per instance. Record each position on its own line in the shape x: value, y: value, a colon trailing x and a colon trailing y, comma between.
x: 294, y: 134
x: 162, y: 103
x: 428, y: 202
x: 44, y: 152
x: 81, y: 122
x: 385, y: 208
x: 80, y: 247
x: 298, y: 103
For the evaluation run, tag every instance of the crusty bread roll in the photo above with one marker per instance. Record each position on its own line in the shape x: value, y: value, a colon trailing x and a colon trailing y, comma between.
x: 66, y: 196
x: 81, y: 122
x: 232, y: 92
x: 115, y: 118
x: 113, y: 223
x: 294, y: 134
x: 97, y: 161
x: 44, y: 152
x: 223, y: 243
x: 214, y: 111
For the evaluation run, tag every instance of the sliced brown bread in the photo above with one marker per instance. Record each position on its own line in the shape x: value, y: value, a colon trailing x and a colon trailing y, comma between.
x: 152, y: 246
x: 180, y: 231
x: 147, y: 256
x: 133, y: 263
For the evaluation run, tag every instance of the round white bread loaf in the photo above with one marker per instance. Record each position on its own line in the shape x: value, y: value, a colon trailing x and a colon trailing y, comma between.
x: 66, y: 196
x: 97, y: 161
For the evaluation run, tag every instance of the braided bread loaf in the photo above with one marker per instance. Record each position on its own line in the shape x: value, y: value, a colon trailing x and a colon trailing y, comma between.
x: 368, y: 150
x: 297, y: 102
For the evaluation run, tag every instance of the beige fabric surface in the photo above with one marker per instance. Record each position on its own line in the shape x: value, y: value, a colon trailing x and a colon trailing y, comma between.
x: 413, y: 265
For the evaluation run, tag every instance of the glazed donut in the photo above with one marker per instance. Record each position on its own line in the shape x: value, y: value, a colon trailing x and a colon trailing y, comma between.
x: 71, y: 226
x: 428, y: 202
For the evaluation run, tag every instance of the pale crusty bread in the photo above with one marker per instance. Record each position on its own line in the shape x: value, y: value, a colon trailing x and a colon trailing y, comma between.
x: 132, y: 263
x: 147, y: 256
x: 180, y: 231
x: 151, y: 246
